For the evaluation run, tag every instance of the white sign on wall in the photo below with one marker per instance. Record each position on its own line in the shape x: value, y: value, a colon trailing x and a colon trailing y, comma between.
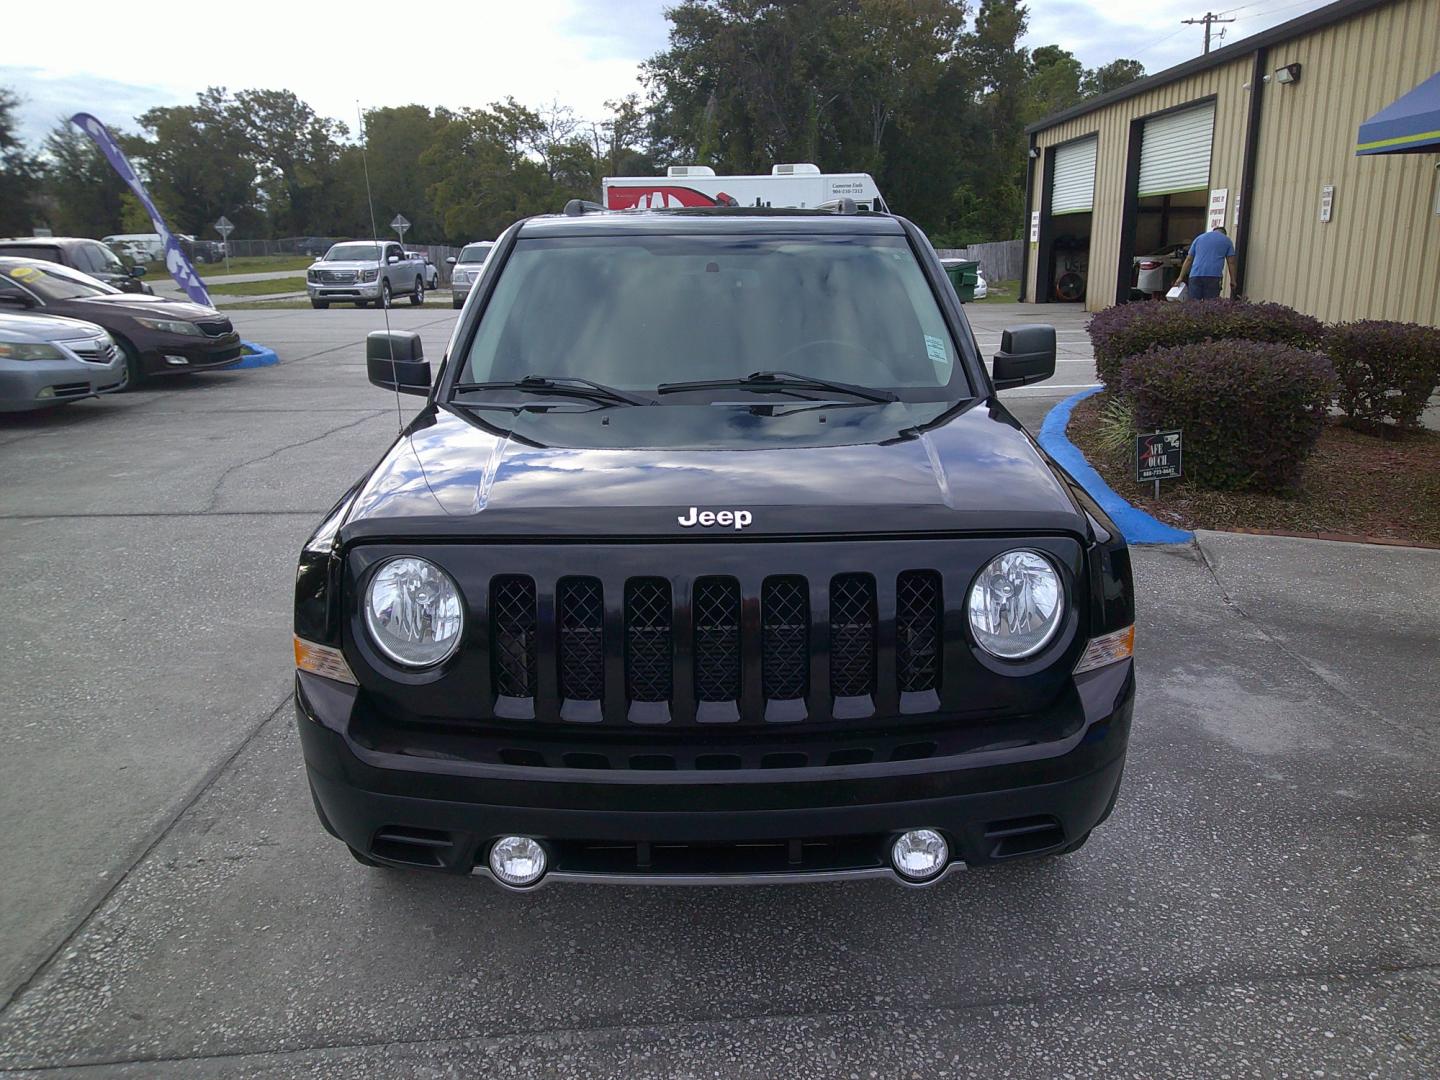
x: 1035, y: 226
x: 1219, y: 199
x: 1235, y: 216
x: 1327, y: 202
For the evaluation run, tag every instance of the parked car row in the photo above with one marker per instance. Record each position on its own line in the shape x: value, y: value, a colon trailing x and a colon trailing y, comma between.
x: 90, y: 257
x: 66, y: 335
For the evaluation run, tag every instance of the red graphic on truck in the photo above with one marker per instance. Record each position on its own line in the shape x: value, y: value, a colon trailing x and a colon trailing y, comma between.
x: 662, y: 197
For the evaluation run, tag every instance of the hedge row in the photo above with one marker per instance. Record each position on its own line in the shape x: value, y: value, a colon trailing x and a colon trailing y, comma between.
x: 1387, y: 370
x: 1130, y: 329
x: 1251, y: 410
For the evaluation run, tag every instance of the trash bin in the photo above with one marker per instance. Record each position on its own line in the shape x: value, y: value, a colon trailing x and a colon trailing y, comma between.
x: 964, y: 275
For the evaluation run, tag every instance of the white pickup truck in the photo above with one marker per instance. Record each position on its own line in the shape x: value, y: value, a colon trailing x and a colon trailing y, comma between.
x: 363, y: 272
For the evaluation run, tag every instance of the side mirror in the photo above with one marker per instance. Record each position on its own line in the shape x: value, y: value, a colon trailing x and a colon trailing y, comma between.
x: 451, y: 260
x: 137, y: 271
x: 392, y: 260
x: 1027, y: 355
x: 408, y: 372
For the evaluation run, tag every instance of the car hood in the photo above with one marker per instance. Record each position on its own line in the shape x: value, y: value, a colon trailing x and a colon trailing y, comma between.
x: 38, y: 328
x: 866, y: 470
x: 144, y: 306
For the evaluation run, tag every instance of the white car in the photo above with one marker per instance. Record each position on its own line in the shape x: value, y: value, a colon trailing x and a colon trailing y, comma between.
x: 981, y: 289
x: 465, y: 271
x: 47, y: 361
x: 432, y: 274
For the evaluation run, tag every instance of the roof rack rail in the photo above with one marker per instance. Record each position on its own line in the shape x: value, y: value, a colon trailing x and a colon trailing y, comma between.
x: 577, y: 207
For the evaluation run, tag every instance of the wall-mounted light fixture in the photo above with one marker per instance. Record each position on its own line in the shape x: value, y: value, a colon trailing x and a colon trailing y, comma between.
x: 1034, y: 152
x: 1290, y: 73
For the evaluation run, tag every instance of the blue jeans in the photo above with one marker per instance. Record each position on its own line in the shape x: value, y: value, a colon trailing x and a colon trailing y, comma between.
x: 1203, y: 288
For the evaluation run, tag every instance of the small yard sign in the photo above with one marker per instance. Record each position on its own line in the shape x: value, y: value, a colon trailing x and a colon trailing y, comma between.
x: 1157, y: 457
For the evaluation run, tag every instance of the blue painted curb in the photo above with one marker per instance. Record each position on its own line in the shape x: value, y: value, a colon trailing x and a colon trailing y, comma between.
x: 1134, y: 524
x: 259, y: 357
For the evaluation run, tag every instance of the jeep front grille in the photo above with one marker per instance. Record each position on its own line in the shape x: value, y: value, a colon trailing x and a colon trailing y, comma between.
x: 917, y: 630
x: 711, y: 650
x: 648, y: 670
x: 581, y: 617
x: 512, y: 617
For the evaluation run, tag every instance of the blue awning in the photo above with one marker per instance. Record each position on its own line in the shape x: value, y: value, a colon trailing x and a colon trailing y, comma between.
x: 1409, y: 126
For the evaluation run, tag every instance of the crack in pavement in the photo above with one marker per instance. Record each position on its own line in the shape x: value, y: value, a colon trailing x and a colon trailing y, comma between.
x: 160, y: 833
x: 274, y: 452
x: 1329, y: 680
x: 1008, y: 1001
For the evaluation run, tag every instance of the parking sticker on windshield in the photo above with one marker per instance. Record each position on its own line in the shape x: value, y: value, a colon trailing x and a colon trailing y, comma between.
x: 936, y: 348
x: 24, y: 273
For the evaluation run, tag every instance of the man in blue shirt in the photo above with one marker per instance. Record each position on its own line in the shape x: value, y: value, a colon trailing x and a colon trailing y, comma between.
x: 1209, y: 255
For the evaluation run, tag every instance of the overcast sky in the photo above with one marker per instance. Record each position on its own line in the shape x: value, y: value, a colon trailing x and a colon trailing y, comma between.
x: 118, y: 59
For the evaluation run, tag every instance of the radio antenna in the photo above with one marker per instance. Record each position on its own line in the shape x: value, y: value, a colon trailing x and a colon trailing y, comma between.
x: 375, y: 236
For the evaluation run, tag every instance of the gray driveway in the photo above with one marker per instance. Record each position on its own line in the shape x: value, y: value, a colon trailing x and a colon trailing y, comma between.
x: 1263, y: 902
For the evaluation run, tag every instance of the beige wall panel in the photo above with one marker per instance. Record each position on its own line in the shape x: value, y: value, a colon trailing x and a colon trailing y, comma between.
x: 1379, y: 255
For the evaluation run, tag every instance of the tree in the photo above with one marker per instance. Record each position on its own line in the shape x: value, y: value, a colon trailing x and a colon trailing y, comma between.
x: 395, y: 140
x: 84, y: 192
x: 199, y: 163
x: 1111, y: 76
x: 295, y: 153
x: 1055, y: 77
x: 19, y: 173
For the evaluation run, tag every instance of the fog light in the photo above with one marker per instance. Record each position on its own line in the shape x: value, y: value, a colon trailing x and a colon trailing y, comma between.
x: 518, y: 861
x: 46, y: 392
x: 919, y: 854
x: 177, y: 361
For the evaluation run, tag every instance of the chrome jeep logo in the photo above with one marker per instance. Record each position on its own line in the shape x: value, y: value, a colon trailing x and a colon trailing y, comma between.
x: 734, y: 519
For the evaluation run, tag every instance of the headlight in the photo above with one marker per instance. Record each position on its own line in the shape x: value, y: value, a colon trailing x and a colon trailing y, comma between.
x: 413, y: 612
x: 369, y: 275
x: 1016, y: 605
x: 14, y: 350
x: 310, y: 275
x: 172, y: 326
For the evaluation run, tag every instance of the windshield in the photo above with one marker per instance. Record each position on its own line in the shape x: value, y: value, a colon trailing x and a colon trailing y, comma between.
x: 50, y: 282
x: 353, y: 253
x: 476, y: 254
x: 637, y: 311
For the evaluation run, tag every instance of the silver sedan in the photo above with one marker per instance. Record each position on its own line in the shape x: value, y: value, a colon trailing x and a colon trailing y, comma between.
x: 47, y: 361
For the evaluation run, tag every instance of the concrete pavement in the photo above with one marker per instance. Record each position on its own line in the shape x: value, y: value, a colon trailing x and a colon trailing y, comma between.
x: 1261, y: 904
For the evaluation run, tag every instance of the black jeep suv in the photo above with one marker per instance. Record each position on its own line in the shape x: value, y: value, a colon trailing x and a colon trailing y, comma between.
x: 713, y: 556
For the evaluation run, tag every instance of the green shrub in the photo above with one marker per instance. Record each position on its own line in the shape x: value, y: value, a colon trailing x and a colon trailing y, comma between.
x: 1127, y: 330
x: 1251, y: 411
x: 1387, y: 370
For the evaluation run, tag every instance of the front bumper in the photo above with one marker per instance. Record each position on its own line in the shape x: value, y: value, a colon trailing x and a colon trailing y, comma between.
x: 689, y: 826
x: 23, y: 382
x: 175, y: 354
x: 367, y: 290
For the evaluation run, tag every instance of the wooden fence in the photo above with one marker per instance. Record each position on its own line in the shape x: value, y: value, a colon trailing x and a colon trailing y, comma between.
x: 999, y: 261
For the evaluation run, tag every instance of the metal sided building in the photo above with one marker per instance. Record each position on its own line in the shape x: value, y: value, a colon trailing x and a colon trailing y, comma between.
x: 1316, y: 142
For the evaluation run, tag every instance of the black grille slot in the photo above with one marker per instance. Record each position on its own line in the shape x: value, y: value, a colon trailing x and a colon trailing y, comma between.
x: 581, y: 610
x: 512, y: 624
x: 785, y: 638
x: 852, y: 635
x: 216, y: 327
x: 717, y: 639
x: 647, y: 639
x: 917, y: 630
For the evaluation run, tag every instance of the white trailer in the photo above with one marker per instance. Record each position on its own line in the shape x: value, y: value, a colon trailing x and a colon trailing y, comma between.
x: 801, y: 186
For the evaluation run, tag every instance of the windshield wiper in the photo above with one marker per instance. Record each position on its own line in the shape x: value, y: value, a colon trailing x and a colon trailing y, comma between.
x: 779, y: 381
x: 569, y: 385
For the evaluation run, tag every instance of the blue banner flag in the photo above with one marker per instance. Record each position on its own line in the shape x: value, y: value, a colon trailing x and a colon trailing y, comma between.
x: 175, y: 260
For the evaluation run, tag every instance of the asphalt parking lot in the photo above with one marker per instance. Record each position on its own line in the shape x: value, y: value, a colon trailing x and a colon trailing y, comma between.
x: 1263, y: 902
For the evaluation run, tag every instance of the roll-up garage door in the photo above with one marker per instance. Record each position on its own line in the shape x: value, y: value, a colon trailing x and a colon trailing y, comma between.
x: 1175, y: 151
x: 1072, y: 191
